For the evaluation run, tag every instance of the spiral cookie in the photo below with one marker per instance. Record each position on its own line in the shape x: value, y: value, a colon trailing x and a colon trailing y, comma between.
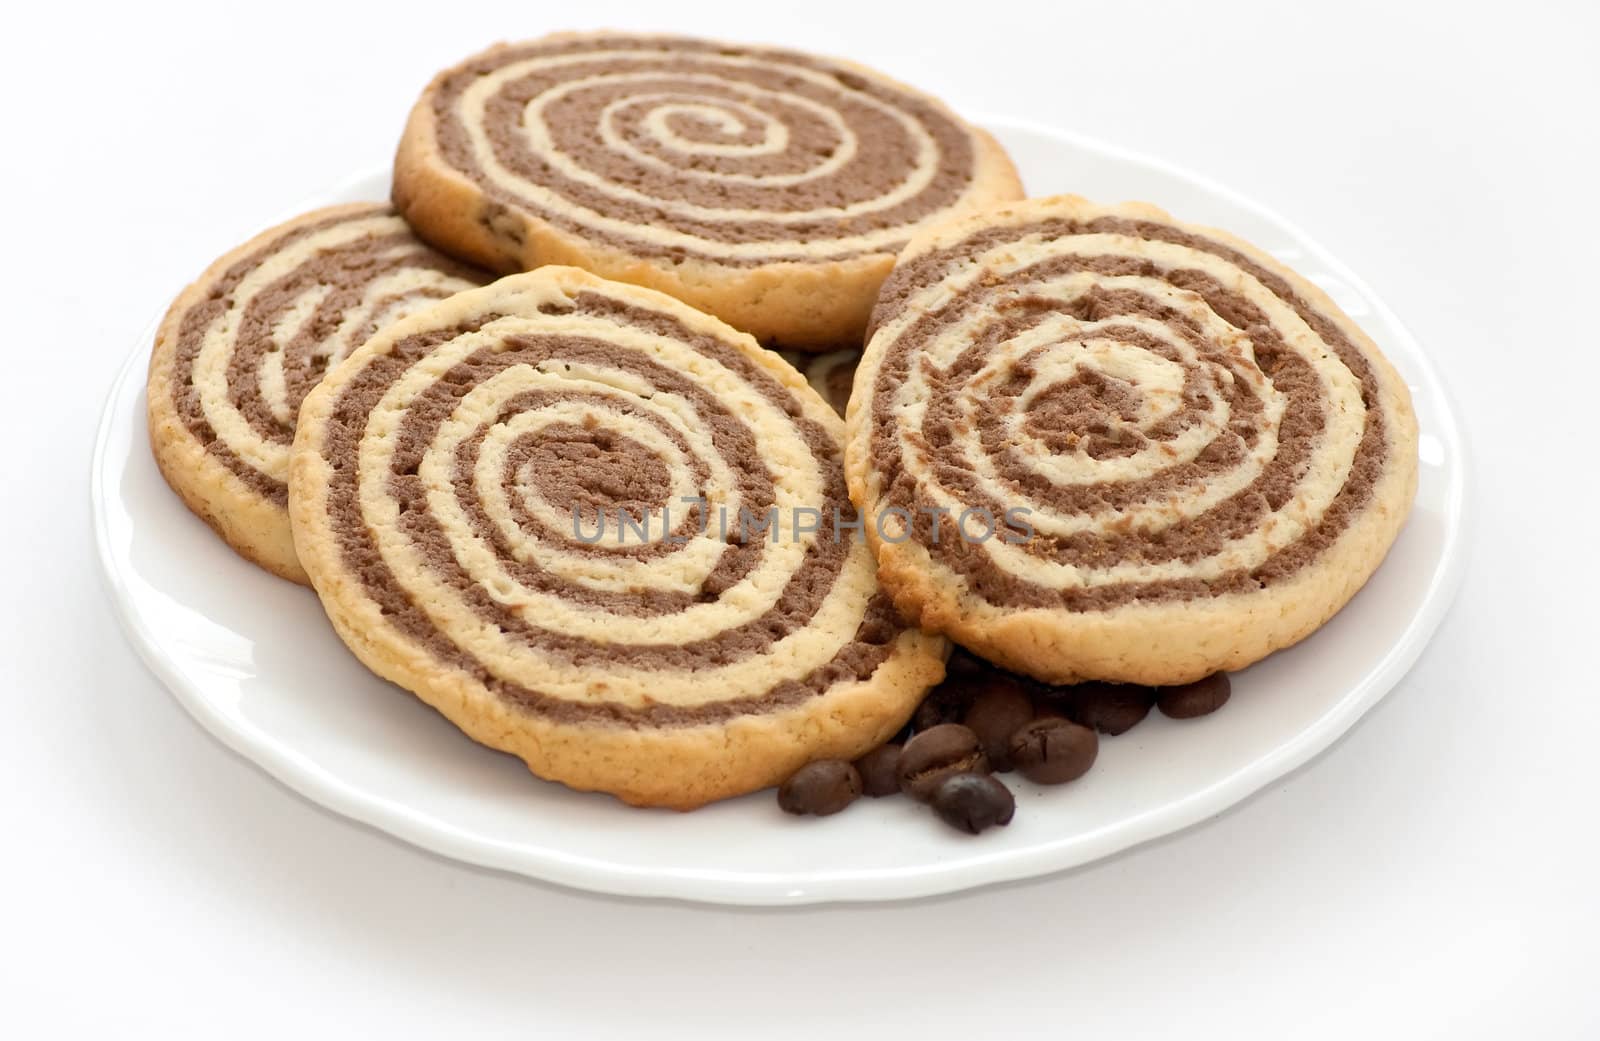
x: 1101, y: 444
x: 767, y: 187
x: 831, y: 374
x: 243, y: 345
x: 596, y: 529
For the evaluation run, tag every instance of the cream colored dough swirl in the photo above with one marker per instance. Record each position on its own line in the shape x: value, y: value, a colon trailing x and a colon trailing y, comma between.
x: 830, y: 374
x: 1171, y: 454
x: 692, y: 166
x: 243, y: 345
x: 596, y: 528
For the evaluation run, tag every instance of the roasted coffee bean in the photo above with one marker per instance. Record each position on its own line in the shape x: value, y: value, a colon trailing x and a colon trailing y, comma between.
x: 880, y: 771
x: 964, y: 665
x: 932, y: 712
x: 823, y: 787
x: 1111, y: 708
x: 935, y: 754
x: 999, y: 708
x: 1054, y: 751
x: 1057, y: 701
x: 1195, y: 699
x: 965, y: 676
x: 946, y: 703
x: 973, y: 802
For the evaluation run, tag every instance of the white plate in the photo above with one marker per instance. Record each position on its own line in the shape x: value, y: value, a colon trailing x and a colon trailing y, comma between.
x: 253, y: 659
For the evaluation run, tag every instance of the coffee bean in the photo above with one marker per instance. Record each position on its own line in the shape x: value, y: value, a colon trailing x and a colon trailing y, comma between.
x: 932, y: 712
x: 946, y: 703
x: 880, y: 771
x: 1195, y: 699
x: 942, y: 704
x: 964, y: 665
x: 822, y: 787
x: 973, y: 802
x: 1111, y: 708
x: 1054, y: 751
x: 999, y: 708
x: 935, y: 754
x: 965, y: 676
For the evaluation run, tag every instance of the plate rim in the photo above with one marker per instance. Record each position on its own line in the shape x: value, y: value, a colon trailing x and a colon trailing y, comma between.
x: 779, y: 889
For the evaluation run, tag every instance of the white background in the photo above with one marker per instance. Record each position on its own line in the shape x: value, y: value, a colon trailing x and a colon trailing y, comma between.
x: 1434, y: 875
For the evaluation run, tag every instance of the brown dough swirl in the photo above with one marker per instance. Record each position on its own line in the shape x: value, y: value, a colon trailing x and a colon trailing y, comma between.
x: 1200, y: 457
x: 766, y: 186
x: 241, y: 347
x: 458, y: 495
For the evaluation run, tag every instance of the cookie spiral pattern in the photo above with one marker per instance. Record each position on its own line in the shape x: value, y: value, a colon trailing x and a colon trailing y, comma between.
x: 1187, y: 454
x: 455, y: 493
x: 241, y: 347
x: 768, y: 187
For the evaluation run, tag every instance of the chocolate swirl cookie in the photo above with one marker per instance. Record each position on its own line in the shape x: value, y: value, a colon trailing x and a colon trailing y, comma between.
x: 768, y: 187
x: 1098, y: 443
x: 596, y: 528
x: 241, y: 347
